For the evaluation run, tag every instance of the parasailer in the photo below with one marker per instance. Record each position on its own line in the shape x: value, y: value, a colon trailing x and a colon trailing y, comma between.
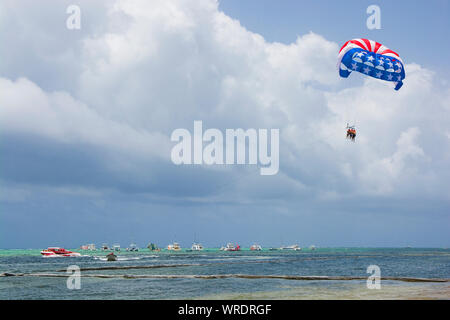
x: 372, y: 59
x: 351, y: 132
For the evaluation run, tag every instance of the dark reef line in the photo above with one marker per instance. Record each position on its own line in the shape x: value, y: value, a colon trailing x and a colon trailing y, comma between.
x: 221, y: 276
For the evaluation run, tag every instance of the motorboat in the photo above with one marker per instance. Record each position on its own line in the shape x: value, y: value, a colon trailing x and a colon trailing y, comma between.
x: 133, y: 247
x: 174, y: 247
x: 255, y: 247
x: 231, y: 247
x: 153, y: 247
x: 294, y: 247
x: 59, y: 252
x: 116, y: 247
x: 111, y: 257
x: 90, y: 247
x: 196, y: 247
x: 105, y: 247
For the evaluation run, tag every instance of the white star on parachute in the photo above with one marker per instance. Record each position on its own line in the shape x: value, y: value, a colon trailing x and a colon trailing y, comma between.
x: 379, y: 74
x: 360, y: 54
x: 389, y: 77
x: 380, y: 62
x: 366, y: 70
x: 390, y: 64
x: 370, y: 58
x: 354, y: 66
x: 398, y: 65
x: 399, y: 78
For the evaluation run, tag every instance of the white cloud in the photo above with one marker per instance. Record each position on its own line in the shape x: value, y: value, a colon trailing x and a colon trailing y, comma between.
x: 164, y: 64
x: 26, y: 108
x: 384, y: 174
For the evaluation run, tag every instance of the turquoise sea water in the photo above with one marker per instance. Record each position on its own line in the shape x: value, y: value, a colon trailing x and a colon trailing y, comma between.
x: 352, y: 262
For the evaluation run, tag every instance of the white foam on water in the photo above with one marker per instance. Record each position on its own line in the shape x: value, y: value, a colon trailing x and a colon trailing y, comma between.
x: 124, y: 258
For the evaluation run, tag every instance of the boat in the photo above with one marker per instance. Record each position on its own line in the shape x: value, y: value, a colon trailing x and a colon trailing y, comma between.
x: 255, y: 247
x: 273, y: 249
x: 111, y: 257
x: 90, y: 247
x: 196, y: 247
x: 105, y: 247
x: 294, y: 247
x: 133, y: 247
x: 153, y: 247
x: 174, y: 247
x: 312, y: 247
x: 59, y: 252
x: 116, y: 247
x: 231, y: 247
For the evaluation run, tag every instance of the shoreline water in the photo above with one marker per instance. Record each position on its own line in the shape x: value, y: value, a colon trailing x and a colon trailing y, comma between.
x: 215, y: 274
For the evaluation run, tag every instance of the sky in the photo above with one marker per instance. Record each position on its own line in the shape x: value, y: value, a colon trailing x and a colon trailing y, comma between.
x: 412, y: 28
x: 86, y: 117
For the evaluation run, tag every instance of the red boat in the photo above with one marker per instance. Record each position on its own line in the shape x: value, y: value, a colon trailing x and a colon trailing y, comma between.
x: 230, y: 247
x: 58, y: 252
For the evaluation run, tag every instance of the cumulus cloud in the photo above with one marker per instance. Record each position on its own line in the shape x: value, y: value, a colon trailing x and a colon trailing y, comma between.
x: 57, y: 115
x: 154, y: 66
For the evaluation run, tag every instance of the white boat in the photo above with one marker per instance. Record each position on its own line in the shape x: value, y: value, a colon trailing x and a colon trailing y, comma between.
x: 174, y: 247
x: 133, y: 247
x: 90, y: 247
x: 196, y: 247
x: 116, y: 247
x: 105, y: 247
x: 256, y: 247
x: 312, y: 248
x: 294, y: 247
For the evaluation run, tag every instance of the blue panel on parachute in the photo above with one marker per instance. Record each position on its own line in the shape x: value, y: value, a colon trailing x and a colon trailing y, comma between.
x: 374, y: 65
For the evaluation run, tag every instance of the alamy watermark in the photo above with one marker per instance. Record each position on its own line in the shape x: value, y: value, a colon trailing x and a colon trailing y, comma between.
x: 74, y: 279
x: 241, y: 147
x: 73, y: 22
x: 374, y: 280
x: 374, y: 20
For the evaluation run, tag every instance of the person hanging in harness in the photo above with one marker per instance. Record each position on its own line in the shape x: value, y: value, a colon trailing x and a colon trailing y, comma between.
x: 351, y: 133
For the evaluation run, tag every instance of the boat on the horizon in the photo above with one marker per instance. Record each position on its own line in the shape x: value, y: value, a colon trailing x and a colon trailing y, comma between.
x: 90, y: 247
x: 294, y: 247
x: 153, y: 247
x: 196, y: 247
x: 174, y: 247
x: 59, y: 252
x: 105, y: 247
x: 231, y: 247
x: 116, y: 247
x: 133, y: 247
x: 255, y: 247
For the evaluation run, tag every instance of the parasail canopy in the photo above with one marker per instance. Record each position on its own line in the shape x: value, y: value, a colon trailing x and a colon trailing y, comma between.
x: 372, y: 59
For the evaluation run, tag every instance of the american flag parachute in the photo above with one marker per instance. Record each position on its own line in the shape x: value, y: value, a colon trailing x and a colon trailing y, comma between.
x: 371, y: 58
